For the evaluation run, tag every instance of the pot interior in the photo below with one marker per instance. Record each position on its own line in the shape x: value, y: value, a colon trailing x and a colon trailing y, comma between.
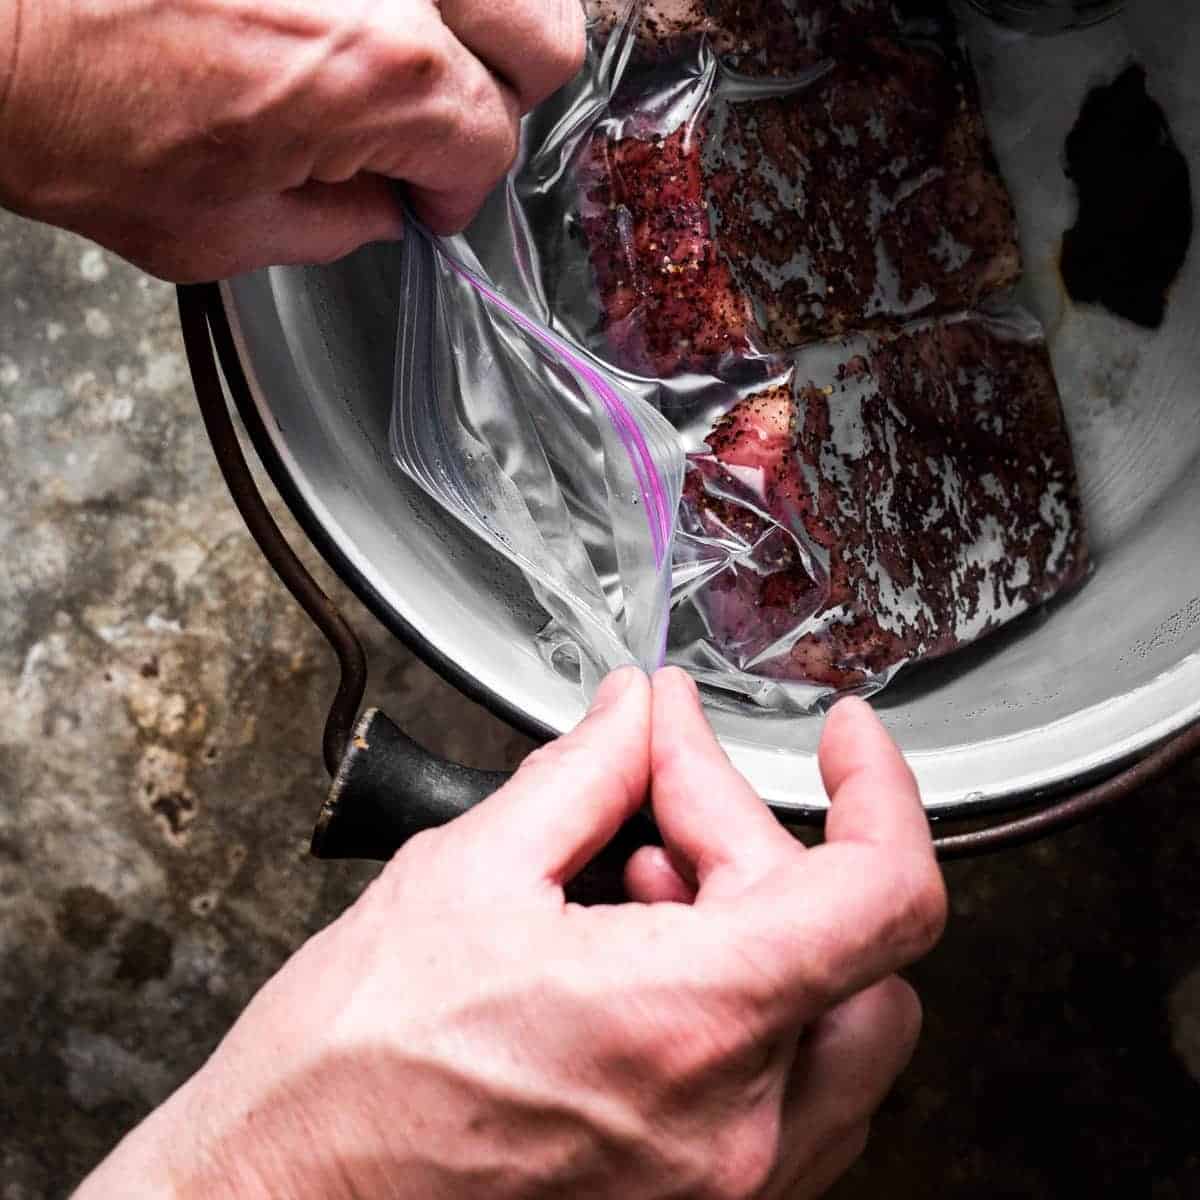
x: 1070, y: 692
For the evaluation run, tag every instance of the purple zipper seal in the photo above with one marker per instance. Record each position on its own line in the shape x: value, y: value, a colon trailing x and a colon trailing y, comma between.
x: 654, y: 499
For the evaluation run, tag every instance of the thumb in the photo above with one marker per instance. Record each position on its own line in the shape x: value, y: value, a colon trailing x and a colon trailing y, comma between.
x: 872, y: 792
x: 571, y: 796
x: 718, y: 832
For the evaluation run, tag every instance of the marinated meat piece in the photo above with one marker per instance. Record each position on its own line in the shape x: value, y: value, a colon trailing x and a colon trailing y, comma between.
x: 764, y: 37
x: 668, y: 301
x: 736, y: 497
x: 929, y: 494
x: 867, y: 197
x: 665, y: 28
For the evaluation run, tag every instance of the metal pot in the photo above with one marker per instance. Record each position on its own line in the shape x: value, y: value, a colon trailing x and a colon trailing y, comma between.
x: 1099, y: 692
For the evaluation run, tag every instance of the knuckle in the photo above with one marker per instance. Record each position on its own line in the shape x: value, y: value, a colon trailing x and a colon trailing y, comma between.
x: 492, y: 118
x: 441, y: 126
x: 740, y: 1168
x: 416, y: 63
x: 568, y: 46
x: 424, y: 69
x: 476, y: 136
x: 711, y: 1048
x: 503, y: 140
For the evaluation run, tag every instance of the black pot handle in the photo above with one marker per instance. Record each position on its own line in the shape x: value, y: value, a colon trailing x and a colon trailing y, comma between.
x: 389, y: 788
x: 386, y: 787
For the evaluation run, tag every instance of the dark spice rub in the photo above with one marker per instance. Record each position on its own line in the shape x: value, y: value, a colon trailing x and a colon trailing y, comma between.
x: 897, y: 506
x: 868, y: 197
x: 669, y: 302
x: 765, y: 37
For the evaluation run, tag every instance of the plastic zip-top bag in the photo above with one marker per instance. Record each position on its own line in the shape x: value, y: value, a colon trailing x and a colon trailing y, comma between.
x: 541, y: 452
x: 733, y: 367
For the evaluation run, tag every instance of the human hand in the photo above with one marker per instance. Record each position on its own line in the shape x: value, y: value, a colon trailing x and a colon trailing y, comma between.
x: 200, y: 138
x: 461, y: 1031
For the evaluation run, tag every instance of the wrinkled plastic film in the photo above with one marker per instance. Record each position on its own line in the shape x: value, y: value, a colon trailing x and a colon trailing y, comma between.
x: 530, y: 445
x: 779, y: 256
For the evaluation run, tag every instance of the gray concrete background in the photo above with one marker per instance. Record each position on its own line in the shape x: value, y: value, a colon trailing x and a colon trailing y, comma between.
x: 161, y: 700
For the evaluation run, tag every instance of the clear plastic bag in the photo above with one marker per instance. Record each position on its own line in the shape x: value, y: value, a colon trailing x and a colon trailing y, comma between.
x: 781, y: 252
x: 542, y: 453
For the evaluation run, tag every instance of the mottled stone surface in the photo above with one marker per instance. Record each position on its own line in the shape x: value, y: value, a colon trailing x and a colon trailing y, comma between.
x: 161, y: 700
x: 161, y: 703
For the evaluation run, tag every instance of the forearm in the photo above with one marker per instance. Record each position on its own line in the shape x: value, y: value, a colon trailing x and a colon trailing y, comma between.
x: 139, y: 1165
x: 229, y: 1133
x: 171, y: 1156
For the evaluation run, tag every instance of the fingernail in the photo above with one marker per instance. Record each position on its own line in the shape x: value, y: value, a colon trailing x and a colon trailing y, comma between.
x: 613, y: 687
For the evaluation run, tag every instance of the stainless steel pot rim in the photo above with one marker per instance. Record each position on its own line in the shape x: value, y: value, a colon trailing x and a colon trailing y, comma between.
x: 958, y: 780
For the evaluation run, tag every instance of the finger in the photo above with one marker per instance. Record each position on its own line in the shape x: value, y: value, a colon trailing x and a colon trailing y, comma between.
x: 322, y: 222
x: 535, y: 46
x: 873, y: 795
x: 848, y: 1060
x: 569, y: 798
x: 843, y: 1069
x: 651, y: 878
x: 819, y: 929
x: 824, y: 1170
x: 455, y: 145
x: 709, y: 816
x: 867, y: 903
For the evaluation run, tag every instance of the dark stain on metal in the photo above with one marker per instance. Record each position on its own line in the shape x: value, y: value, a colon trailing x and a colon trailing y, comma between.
x: 1136, y: 217
x: 85, y: 917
